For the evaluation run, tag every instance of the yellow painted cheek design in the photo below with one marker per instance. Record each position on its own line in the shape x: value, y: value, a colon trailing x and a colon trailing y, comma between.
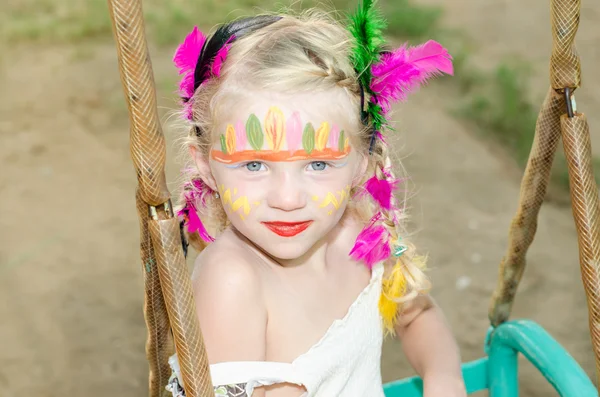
x: 239, y: 205
x: 332, y: 199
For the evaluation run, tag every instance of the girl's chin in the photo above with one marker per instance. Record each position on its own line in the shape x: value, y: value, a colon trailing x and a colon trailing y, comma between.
x: 283, y: 248
x: 286, y: 251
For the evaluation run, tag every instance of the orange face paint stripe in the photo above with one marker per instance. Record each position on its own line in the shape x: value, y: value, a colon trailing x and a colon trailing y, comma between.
x: 267, y: 155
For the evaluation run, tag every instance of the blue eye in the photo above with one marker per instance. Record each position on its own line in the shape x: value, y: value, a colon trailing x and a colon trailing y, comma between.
x: 254, y: 166
x: 318, y: 165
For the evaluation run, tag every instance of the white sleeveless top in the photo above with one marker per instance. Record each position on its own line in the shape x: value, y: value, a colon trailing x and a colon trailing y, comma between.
x: 346, y: 361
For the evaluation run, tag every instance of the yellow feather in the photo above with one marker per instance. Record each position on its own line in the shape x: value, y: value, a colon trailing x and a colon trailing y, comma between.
x: 393, y: 288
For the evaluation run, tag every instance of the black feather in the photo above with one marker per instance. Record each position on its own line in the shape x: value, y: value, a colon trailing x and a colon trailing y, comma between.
x: 223, y: 35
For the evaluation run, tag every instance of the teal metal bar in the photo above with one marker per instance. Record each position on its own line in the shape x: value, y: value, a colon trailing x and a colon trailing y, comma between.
x: 474, y: 374
x: 502, y: 369
x: 543, y: 351
x: 499, y: 371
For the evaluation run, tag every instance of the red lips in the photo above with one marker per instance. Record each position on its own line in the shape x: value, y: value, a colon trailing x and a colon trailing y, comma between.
x: 287, y: 229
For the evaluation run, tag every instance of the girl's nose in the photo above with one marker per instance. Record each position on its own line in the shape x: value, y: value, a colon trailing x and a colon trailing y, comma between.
x: 286, y: 192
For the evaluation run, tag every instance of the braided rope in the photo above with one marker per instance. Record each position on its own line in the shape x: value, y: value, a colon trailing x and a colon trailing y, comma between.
x: 565, y: 76
x: 586, y: 211
x: 159, y: 342
x: 533, y: 190
x: 161, y: 248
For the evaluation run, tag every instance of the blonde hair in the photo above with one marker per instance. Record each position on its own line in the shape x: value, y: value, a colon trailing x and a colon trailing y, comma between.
x: 310, y: 51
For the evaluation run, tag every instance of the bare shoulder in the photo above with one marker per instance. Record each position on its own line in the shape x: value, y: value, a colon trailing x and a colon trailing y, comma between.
x: 229, y: 302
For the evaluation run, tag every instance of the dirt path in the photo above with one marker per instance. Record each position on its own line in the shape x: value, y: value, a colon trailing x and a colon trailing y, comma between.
x: 70, y: 281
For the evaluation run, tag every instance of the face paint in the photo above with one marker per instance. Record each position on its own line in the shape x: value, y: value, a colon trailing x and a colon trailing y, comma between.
x: 331, y: 199
x: 279, y: 140
x: 291, y: 165
x: 235, y: 205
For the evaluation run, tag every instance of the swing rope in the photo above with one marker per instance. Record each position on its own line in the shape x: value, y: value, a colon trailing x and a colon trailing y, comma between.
x: 557, y: 118
x: 169, y: 305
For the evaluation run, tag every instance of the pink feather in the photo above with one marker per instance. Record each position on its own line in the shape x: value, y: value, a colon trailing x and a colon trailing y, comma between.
x: 220, y: 58
x: 185, y: 59
x: 194, y: 224
x: 405, y: 69
x: 372, y: 245
x: 380, y: 136
x: 382, y: 190
x: 197, y: 195
x: 200, y: 191
x: 188, y: 110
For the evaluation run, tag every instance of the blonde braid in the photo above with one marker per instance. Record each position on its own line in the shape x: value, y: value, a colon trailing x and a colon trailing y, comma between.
x: 404, y: 277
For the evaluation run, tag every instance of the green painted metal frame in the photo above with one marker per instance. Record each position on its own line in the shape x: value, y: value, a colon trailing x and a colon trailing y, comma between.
x: 498, y: 372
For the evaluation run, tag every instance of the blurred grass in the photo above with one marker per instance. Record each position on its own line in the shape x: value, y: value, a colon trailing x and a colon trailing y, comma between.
x: 53, y: 20
x: 409, y: 21
x: 498, y: 106
x: 67, y: 21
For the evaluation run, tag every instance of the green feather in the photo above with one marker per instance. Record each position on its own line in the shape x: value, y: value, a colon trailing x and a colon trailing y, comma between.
x: 367, y: 26
x: 378, y: 119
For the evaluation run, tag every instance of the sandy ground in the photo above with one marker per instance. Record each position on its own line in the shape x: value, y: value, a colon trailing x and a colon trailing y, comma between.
x: 70, y: 280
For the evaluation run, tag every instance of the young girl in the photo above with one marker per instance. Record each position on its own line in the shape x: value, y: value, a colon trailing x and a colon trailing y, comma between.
x: 304, y: 262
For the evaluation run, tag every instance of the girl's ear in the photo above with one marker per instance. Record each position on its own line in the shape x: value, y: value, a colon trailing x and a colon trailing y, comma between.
x: 361, y: 169
x: 203, y: 168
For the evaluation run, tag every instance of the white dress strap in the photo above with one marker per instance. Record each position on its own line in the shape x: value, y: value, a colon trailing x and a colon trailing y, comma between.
x: 250, y: 374
x: 253, y: 374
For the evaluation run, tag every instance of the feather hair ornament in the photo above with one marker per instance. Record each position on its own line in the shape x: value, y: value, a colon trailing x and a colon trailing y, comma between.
x: 195, y: 194
x: 215, y: 49
x: 382, y: 190
x: 185, y: 59
x: 388, y: 76
x: 394, y: 290
x: 405, y: 69
x: 199, y: 58
x: 372, y: 244
x: 367, y: 25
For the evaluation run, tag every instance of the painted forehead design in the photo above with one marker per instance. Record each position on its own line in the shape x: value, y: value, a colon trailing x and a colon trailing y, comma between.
x: 278, y: 139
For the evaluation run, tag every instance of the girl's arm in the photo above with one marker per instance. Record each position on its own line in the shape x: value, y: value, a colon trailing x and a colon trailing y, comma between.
x: 430, y: 348
x: 232, y: 314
